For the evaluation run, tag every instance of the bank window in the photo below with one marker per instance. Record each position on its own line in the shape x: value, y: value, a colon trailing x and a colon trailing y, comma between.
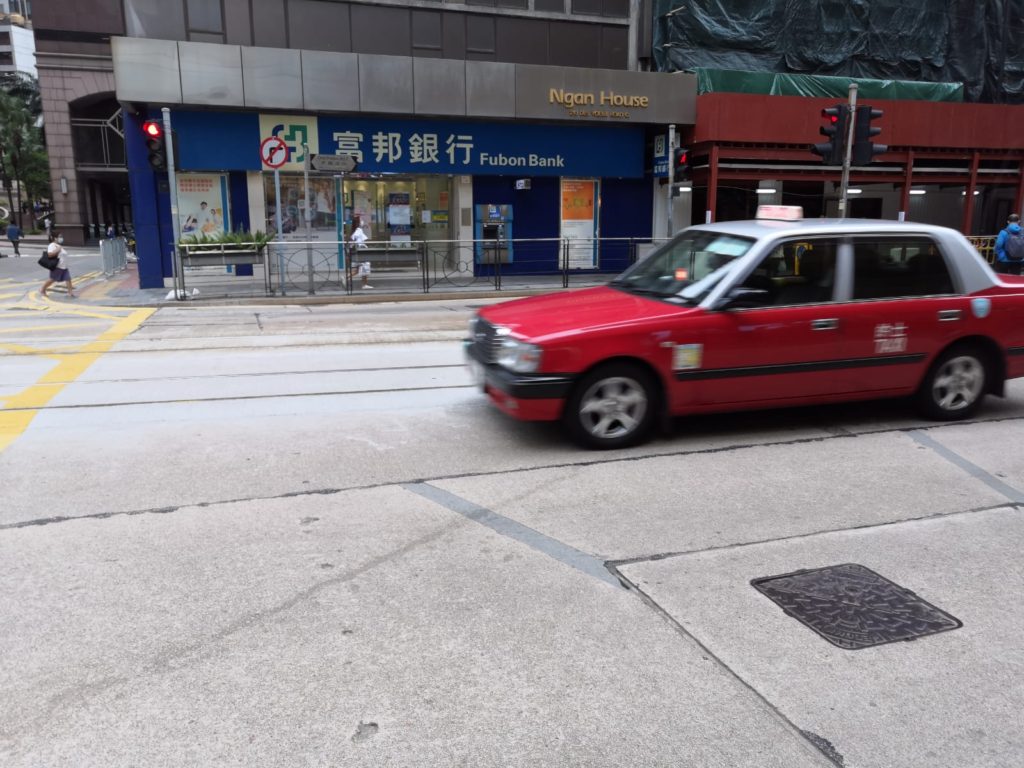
x: 889, y: 268
x: 205, y: 16
x: 793, y: 273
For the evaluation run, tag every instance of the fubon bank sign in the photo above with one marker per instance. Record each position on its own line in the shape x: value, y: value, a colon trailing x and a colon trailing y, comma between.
x: 213, y: 141
x: 404, y: 146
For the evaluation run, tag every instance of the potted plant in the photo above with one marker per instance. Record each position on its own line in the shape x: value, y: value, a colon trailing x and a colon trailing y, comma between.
x: 238, y: 247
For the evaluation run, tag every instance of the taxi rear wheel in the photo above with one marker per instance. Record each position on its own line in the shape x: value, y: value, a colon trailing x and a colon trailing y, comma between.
x: 612, y: 407
x: 955, y: 384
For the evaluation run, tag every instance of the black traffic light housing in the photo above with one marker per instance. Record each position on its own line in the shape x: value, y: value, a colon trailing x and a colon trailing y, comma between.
x: 680, y: 163
x: 156, y: 144
x: 833, y: 151
x: 863, y: 148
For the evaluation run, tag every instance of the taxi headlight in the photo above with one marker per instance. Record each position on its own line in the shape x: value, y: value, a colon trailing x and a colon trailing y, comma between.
x: 518, y: 356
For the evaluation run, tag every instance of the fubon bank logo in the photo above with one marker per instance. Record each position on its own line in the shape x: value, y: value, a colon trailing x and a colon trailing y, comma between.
x: 299, y: 134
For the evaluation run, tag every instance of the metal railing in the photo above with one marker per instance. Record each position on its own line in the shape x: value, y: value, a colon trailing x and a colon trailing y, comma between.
x: 985, y: 245
x: 115, y: 255
x: 292, y: 268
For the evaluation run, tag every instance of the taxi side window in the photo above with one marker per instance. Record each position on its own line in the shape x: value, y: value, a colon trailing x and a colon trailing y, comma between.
x: 897, y: 267
x: 795, y: 272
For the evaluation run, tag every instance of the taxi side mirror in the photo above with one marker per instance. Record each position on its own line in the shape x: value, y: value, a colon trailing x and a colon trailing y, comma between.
x: 742, y: 296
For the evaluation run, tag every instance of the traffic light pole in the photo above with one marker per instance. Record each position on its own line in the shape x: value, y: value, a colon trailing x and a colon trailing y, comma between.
x: 172, y: 183
x: 670, y: 149
x: 848, y: 153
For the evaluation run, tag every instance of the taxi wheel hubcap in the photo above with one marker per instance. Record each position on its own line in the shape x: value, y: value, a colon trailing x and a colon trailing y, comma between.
x: 958, y: 383
x: 613, y: 407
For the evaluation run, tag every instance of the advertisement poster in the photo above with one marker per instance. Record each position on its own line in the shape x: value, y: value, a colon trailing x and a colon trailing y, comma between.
x: 321, y: 213
x: 203, y: 204
x: 579, y: 221
x: 399, y: 217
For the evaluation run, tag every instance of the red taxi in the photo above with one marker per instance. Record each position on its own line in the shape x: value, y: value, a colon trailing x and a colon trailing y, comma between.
x: 759, y: 314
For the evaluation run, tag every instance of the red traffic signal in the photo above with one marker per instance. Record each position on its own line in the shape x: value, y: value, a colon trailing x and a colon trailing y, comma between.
x: 155, y: 144
x: 833, y: 151
x: 680, y: 163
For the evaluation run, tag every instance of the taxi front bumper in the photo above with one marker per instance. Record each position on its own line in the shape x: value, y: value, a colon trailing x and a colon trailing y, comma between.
x: 526, y: 396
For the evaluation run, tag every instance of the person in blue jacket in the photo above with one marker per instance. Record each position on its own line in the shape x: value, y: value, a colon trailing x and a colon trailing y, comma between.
x: 1010, y: 247
x: 14, y: 235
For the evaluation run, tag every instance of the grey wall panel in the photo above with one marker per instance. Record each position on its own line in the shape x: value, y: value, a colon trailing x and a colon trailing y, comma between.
x: 522, y: 41
x: 318, y: 26
x: 211, y: 74
x: 575, y: 45
x: 381, y: 30
x: 146, y: 70
x: 269, y: 25
x: 272, y: 78
x: 385, y: 84
x: 490, y: 89
x: 237, y: 23
x: 439, y: 87
x: 330, y: 81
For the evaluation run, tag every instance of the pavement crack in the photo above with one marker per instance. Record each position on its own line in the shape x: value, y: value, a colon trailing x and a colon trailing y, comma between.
x: 259, y: 323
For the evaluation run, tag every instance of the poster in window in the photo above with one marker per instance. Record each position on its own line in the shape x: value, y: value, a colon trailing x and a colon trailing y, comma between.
x: 203, y: 204
x: 579, y: 221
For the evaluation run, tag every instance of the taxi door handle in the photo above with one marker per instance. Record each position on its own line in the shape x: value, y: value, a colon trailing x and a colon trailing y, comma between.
x: 946, y: 315
x: 825, y: 324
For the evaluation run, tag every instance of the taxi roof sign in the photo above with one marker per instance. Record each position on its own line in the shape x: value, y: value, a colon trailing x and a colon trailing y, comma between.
x: 780, y: 212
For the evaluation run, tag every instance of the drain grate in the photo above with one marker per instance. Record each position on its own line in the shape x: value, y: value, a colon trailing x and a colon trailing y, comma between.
x: 853, y: 607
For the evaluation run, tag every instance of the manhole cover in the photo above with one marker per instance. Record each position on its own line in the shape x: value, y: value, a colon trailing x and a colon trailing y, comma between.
x: 853, y: 607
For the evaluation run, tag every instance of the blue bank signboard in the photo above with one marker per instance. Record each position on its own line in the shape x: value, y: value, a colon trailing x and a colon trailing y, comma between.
x: 209, y: 141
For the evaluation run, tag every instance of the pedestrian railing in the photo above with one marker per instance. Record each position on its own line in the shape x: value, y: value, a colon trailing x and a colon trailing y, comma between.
x: 324, y: 267
x: 985, y: 244
x: 115, y: 255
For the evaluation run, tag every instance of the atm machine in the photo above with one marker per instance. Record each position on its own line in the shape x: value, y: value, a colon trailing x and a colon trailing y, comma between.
x: 492, y: 230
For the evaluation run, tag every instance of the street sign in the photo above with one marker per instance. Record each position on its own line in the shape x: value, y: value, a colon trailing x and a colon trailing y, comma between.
x: 335, y: 163
x: 274, y: 152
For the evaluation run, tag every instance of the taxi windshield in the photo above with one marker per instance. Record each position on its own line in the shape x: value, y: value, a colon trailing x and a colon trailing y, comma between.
x: 687, y: 267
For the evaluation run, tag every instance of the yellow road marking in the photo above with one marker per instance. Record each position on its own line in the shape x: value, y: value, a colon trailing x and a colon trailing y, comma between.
x: 20, y: 409
x: 59, y: 326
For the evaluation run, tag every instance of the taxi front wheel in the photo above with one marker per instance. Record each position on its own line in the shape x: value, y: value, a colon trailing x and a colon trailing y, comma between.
x: 955, y: 385
x: 612, y: 407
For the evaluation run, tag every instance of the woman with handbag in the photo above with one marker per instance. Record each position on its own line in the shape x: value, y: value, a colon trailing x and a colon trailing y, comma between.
x: 60, y: 272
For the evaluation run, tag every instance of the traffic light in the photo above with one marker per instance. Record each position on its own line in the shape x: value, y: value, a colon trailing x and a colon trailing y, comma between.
x: 156, y: 144
x: 833, y: 151
x: 680, y: 163
x: 863, y: 149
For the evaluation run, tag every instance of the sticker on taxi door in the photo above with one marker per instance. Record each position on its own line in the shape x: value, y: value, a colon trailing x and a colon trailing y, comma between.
x: 890, y: 337
x: 686, y: 357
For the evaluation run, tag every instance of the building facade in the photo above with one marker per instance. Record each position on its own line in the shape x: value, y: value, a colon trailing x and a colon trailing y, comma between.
x: 17, y: 43
x: 526, y: 117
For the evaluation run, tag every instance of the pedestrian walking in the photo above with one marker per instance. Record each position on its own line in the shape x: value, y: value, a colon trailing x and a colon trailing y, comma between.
x: 14, y: 235
x: 1010, y: 247
x: 60, y: 273
x: 47, y: 225
x: 357, y: 241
